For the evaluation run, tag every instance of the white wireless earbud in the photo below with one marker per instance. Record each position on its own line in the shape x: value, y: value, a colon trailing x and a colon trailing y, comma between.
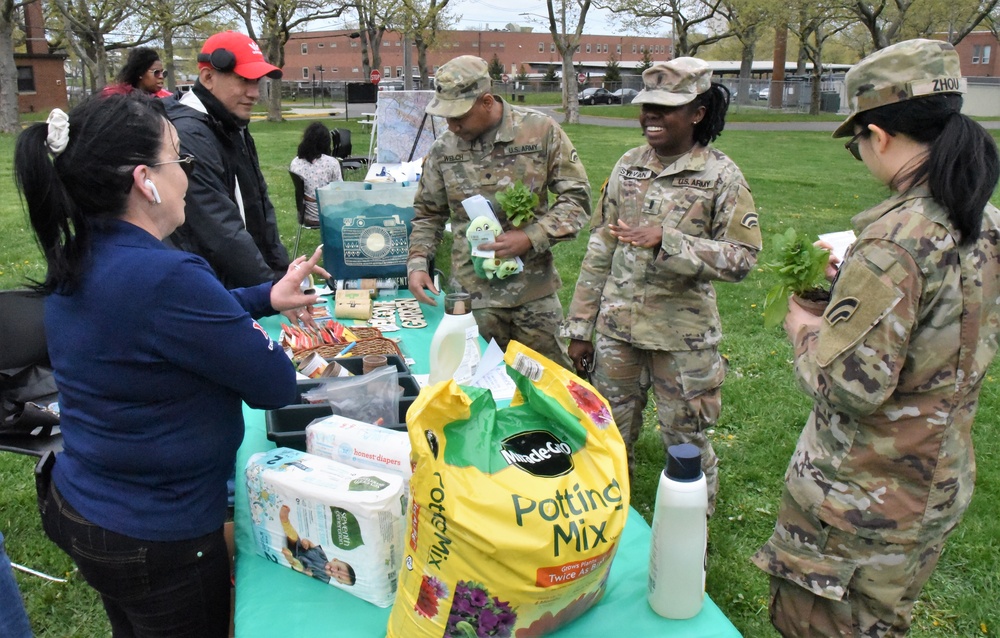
x: 151, y: 186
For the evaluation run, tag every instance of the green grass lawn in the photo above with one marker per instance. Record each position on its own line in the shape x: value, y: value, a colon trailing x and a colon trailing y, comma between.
x: 802, y: 179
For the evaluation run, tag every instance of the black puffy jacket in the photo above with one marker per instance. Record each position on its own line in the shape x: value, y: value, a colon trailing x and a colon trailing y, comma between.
x: 242, y: 253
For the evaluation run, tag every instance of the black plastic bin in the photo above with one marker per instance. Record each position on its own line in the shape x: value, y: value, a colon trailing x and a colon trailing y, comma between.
x: 287, y: 426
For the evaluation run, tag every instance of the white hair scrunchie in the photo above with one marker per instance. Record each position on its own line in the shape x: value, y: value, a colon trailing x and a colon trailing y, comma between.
x: 58, y: 136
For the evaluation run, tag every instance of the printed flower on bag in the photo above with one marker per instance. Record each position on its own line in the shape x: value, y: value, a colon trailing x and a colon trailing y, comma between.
x: 431, y: 592
x: 474, y: 614
x: 591, y: 404
x: 549, y: 622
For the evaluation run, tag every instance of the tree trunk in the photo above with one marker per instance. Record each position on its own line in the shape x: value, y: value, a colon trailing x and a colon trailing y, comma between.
x: 168, y: 58
x: 9, y: 119
x: 746, y: 66
x: 777, y: 91
x: 816, y: 58
x: 422, y: 61
x: 366, y: 66
x: 570, y: 94
x: 275, y: 54
x: 100, y: 57
x: 376, y: 49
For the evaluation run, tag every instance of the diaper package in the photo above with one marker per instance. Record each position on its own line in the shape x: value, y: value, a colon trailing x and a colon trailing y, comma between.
x: 516, y: 513
x: 360, y: 445
x: 340, y: 525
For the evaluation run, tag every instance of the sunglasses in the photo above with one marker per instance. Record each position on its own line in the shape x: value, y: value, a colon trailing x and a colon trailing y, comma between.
x: 159, y: 73
x: 852, y: 145
x: 186, y: 160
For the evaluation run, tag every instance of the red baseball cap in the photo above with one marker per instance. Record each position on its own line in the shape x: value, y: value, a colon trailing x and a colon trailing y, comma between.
x: 247, y: 59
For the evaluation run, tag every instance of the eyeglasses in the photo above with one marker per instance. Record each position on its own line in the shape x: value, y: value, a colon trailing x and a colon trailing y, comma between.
x: 159, y: 73
x: 186, y: 160
x: 852, y: 145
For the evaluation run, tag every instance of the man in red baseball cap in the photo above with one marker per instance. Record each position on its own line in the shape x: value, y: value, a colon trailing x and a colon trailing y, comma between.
x: 230, y: 220
x: 233, y: 51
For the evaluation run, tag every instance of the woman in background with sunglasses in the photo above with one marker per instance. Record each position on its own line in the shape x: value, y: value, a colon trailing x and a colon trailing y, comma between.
x: 144, y: 71
x: 153, y: 359
x: 885, y: 468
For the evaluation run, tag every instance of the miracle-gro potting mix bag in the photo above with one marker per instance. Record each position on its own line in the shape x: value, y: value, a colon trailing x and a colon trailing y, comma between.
x: 516, y: 513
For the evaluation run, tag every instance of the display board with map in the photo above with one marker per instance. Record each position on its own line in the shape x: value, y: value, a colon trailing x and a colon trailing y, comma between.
x: 405, y: 132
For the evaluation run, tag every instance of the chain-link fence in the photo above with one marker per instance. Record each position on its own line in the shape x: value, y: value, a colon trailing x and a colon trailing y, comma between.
x: 793, y: 95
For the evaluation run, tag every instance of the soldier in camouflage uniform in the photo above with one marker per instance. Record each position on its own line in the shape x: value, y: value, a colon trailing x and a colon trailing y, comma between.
x: 675, y: 215
x: 884, y: 468
x: 490, y: 145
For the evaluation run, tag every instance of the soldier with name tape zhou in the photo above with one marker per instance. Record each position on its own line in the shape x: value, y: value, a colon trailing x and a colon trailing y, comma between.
x: 884, y: 468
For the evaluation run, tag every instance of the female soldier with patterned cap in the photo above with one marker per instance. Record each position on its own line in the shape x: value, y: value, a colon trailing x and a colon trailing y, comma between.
x: 675, y: 216
x: 884, y: 468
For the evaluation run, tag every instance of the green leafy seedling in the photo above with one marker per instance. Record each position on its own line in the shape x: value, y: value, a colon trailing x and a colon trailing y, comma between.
x: 800, y: 268
x: 518, y: 202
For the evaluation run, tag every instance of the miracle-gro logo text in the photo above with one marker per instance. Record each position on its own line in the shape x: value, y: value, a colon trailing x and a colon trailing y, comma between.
x: 538, y: 453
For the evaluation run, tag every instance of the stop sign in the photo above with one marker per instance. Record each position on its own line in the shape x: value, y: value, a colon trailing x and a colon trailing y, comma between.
x: 581, y: 78
x: 375, y: 76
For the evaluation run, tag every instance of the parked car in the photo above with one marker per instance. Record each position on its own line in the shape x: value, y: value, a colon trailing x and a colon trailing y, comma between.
x: 764, y: 93
x: 623, y: 96
x: 595, y: 95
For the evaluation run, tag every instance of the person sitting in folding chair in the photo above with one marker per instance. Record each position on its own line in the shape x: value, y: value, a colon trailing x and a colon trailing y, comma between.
x: 316, y: 166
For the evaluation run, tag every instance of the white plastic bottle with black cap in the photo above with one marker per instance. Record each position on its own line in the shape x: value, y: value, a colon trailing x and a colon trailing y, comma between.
x: 679, y: 536
x: 455, y: 345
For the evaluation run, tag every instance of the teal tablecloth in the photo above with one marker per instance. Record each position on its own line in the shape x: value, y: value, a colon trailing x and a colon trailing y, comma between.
x: 272, y: 600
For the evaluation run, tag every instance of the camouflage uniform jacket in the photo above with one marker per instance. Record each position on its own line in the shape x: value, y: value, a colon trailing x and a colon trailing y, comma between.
x: 663, y: 298
x: 895, y: 371
x: 529, y: 146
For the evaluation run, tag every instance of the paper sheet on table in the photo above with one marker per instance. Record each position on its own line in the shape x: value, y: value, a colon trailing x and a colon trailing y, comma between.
x: 492, y: 374
x: 840, y: 241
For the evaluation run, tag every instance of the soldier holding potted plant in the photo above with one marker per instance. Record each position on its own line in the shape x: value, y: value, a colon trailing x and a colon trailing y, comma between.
x: 884, y: 468
x: 490, y: 146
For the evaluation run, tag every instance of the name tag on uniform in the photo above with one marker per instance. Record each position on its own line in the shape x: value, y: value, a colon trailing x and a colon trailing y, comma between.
x: 522, y: 148
x: 692, y: 182
x: 635, y: 173
x: 457, y: 157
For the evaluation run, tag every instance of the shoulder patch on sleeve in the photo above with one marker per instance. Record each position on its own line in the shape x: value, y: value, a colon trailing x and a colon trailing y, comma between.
x: 861, y: 299
x: 744, y: 227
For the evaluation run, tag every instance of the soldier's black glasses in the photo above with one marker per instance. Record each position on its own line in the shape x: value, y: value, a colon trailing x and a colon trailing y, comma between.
x: 852, y: 145
x: 186, y: 160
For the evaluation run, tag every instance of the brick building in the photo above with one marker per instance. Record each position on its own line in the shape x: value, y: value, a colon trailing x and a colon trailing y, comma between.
x: 41, y: 78
x: 340, y: 56
x: 980, y: 55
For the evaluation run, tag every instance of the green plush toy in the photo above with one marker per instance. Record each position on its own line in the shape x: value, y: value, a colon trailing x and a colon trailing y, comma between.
x: 490, y: 268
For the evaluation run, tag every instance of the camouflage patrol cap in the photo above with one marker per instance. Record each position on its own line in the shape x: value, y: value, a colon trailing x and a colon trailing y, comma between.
x: 457, y: 85
x: 903, y: 71
x: 674, y: 83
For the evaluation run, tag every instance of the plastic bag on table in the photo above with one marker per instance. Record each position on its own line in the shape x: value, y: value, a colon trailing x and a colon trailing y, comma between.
x: 370, y: 398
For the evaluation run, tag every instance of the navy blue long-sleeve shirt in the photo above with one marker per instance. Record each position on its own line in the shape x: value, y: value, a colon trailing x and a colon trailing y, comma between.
x: 153, y: 358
